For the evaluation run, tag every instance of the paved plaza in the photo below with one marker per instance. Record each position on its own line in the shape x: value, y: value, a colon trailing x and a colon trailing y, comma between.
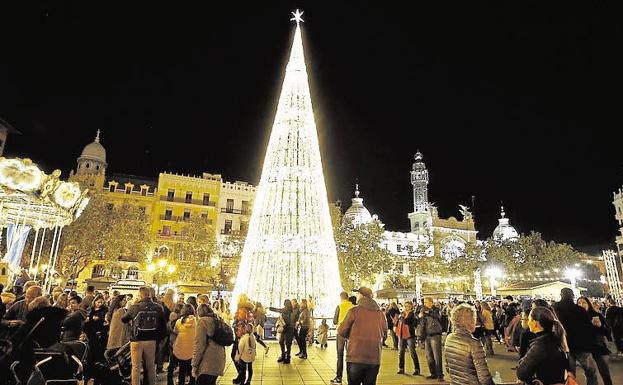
x: 319, y: 368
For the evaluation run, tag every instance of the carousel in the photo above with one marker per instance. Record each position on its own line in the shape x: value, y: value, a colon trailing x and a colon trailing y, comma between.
x: 33, y: 202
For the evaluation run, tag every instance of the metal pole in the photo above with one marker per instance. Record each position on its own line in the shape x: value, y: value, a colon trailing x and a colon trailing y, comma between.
x: 58, y: 242
x: 47, y: 273
x: 39, y: 254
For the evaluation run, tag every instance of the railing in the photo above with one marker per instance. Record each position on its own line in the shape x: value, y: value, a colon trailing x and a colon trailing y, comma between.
x: 199, y: 202
x: 232, y: 232
x: 234, y: 211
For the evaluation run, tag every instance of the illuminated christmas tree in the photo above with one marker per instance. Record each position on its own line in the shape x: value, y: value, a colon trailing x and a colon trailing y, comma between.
x: 289, y: 251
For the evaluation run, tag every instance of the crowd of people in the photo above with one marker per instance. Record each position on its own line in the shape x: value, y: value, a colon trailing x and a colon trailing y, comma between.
x: 550, y: 338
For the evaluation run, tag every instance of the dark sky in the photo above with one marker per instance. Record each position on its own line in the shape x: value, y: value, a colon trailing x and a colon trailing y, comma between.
x: 513, y: 101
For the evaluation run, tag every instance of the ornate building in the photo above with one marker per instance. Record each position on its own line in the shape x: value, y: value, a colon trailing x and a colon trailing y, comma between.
x: 5, y: 130
x: 504, y: 231
x: 617, y: 201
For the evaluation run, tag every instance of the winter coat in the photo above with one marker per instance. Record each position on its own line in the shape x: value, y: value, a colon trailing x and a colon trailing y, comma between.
x: 246, y: 348
x: 287, y: 315
x: 17, y: 311
x: 431, y: 322
x: 487, y: 319
x: 185, y: 340
x: 544, y: 361
x: 410, y: 321
x: 146, y: 304
x: 581, y: 335
x: 208, y: 356
x: 119, y: 333
x: 94, y: 326
x: 72, y: 325
x: 304, y: 318
x: 602, y: 333
x: 323, y: 334
x: 365, y: 327
x: 465, y: 359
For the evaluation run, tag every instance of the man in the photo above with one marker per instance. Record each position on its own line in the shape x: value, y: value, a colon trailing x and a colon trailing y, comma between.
x: 72, y: 325
x: 338, y: 318
x: 148, y: 326
x: 365, y: 328
x: 581, y: 336
x: 432, y: 329
x: 89, y: 294
x: 614, y: 316
x: 16, y: 314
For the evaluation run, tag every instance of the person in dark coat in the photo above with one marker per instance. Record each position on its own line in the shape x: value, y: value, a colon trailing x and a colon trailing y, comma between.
x: 545, y: 360
x: 392, y: 316
x: 285, y: 341
x: 581, y: 337
x: 602, y: 330
x: 97, y: 334
x: 614, y: 316
x: 72, y: 325
x: 405, y: 330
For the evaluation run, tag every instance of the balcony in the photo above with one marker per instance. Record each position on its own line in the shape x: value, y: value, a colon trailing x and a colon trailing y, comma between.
x: 232, y: 210
x: 232, y: 232
x: 177, y: 218
x: 198, y: 202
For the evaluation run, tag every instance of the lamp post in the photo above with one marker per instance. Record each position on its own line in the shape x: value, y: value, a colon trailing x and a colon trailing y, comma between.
x: 493, y: 273
x: 160, y: 267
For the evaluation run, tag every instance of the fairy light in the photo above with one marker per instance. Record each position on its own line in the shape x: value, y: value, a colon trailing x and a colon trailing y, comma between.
x: 289, y: 251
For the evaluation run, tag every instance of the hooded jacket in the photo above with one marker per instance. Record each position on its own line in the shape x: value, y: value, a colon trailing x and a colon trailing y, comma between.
x: 365, y: 327
x: 185, y: 341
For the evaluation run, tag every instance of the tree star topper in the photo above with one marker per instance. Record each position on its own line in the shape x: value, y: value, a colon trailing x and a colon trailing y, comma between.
x: 297, y: 16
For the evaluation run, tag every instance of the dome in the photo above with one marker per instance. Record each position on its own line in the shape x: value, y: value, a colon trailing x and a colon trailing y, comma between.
x: 357, y: 213
x: 504, y: 231
x: 94, y: 151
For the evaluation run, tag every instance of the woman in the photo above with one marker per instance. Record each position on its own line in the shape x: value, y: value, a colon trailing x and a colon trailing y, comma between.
x: 546, y: 359
x: 603, y: 331
x: 120, y: 332
x: 392, y: 318
x: 405, y: 331
x: 303, y: 322
x: 285, y: 340
x: 167, y: 299
x: 208, y: 361
x: 184, y: 330
x: 96, y: 332
x: 62, y: 301
x: 465, y: 356
x: 260, y: 320
x: 488, y: 328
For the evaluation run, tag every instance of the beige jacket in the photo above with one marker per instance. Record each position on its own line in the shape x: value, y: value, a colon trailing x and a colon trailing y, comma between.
x: 246, y: 348
x: 208, y: 356
x: 120, y: 332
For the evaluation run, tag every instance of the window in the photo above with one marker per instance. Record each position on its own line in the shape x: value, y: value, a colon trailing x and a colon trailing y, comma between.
x: 227, y: 228
x: 204, y: 215
x: 168, y: 214
x: 144, y: 190
x: 170, y: 195
x: 189, y: 197
x: 98, y: 271
x: 206, y: 199
x: 410, y: 248
x: 132, y: 272
x: 111, y: 188
x: 166, y: 230
x: 229, y: 206
x: 186, y: 215
x: 97, y: 168
x: 244, y: 209
x: 88, y: 165
x: 128, y: 189
x: 243, y: 228
x: 416, y: 226
x: 399, y: 248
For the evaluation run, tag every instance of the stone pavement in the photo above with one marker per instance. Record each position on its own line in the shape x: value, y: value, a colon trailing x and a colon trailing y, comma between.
x: 319, y: 368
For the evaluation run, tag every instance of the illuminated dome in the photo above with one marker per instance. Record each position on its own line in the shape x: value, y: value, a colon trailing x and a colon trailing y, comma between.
x: 504, y: 231
x: 357, y: 213
x: 94, y: 151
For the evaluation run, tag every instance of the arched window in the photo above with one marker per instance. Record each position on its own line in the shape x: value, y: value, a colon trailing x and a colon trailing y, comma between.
x: 452, y: 247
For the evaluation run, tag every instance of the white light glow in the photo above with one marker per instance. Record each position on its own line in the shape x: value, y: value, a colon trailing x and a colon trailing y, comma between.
x: 290, y: 251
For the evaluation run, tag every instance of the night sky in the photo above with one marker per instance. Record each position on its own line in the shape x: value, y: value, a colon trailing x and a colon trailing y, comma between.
x: 510, y: 101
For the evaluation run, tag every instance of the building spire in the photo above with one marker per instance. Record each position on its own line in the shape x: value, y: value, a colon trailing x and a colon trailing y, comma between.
x: 356, y: 188
x: 97, y: 137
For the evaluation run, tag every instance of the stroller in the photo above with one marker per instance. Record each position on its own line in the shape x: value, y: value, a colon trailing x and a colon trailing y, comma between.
x: 118, y: 367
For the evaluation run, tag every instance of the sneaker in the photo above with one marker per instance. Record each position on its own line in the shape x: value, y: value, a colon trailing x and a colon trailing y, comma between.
x: 281, y: 359
x: 401, y: 371
x: 336, y: 380
x: 416, y: 373
x: 303, y: 356
x: 267, y: 349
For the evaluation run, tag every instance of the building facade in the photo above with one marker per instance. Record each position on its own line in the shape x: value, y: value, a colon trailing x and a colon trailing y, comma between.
x: 617, y: 201
x: 5, y: 130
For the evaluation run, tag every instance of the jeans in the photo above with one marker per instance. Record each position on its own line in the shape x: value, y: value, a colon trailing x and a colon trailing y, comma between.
x: 185, y: 369
x: 401, y: 355
x: 247, y: 367
x: 433, y: 355
x: 237, y: 364
x: 302, y: 341
x: 586, y: 362
x: 604, y: 369
x: 392, y: 333
x: 206, y: 379
x: 285, y: 342
x: 340, y: 343
x: 485, y: 339
x: 143, y: 353
x: 362, y: 374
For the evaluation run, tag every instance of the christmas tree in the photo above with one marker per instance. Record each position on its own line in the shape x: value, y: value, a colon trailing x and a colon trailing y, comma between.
x: 289, y: 252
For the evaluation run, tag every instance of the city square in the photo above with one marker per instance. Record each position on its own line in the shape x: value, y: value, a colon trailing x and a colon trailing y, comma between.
x: 152, y: 232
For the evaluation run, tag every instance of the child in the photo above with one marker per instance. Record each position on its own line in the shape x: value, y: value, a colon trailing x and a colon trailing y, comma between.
x: 323, y: 331
x: 246, y: 354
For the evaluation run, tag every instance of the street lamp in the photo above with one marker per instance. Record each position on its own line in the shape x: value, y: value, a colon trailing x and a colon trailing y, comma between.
x: 493, y: 273
x: 573, y: 274
x: 162, y: 266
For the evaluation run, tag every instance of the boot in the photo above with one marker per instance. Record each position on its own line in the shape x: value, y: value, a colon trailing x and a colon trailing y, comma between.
x: 281, y: 359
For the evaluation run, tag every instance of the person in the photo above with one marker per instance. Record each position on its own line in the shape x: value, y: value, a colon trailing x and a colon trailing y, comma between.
x: 148, y: 326
x: 119, y: 332
x: 182, y: 353
x: 167, y: 299
x: 323, y: 334
x: 208, y: 360
x: 392, y: 317
x: 405, y: 330
x: 365, y: 328
x: 242, y: 317
x: 311, y: 305
x: 96, y: 333
x: 303, y: 323
x: 16, y: 314
x: 545, y: 360
x: 614, y: 317
x: 89, y: 295
x: 259, y: 315
x: 246, y: 354
x: 580, y: 333
x: 602, y: 330
x: 488, y: 327
x: 285, y: 340
x: 465, y: 356
x: 431, y: 326
x: 340, y: 342
x: 72, y: 325
x: 62, y: 301
x: 106, y: 296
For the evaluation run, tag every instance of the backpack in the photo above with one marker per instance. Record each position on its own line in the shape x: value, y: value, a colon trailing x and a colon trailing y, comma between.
x: 223, y: 333
x: 145, y: 323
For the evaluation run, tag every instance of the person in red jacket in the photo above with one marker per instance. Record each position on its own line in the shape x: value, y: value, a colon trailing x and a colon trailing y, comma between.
x: 365, y: 328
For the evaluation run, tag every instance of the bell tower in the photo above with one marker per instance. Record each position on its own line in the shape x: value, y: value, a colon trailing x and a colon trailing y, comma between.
x: 420, y: 218
x: 91, y: 165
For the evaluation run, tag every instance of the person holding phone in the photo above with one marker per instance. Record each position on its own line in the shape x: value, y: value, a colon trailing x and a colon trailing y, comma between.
x: 602, y: 329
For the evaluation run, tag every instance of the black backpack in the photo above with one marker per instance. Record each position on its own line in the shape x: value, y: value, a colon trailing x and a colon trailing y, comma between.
x: 223, y: 333
x: 145, y: 323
